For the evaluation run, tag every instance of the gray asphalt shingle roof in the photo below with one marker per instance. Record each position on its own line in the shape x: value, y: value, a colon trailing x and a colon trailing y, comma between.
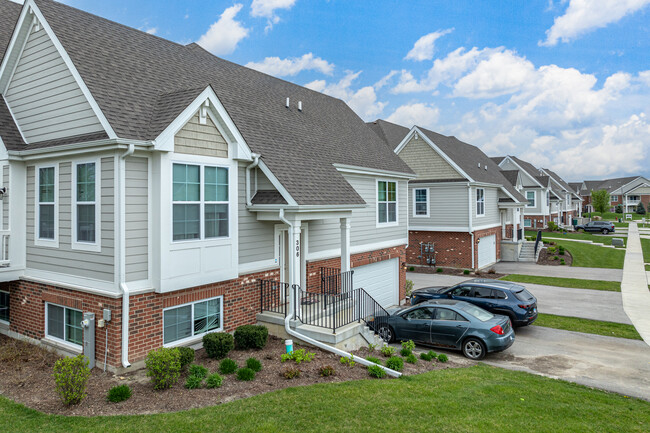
x: 391, y: 133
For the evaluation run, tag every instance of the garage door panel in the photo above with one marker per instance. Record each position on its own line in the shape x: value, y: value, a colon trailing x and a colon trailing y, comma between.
x: 487, y: 250
x: 380, y: 280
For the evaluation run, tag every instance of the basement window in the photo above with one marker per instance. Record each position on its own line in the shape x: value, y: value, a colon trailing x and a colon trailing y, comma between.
x: 4, y: 307
x: 186, y: 321
x: 63, y: 323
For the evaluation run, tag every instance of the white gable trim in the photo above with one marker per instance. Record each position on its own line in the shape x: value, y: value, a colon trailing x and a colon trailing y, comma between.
x: 641, y: 185
x: 30, y: 6
x: 416, y: 130
x: 4, y: 155
x: 554, y: 181
x: 11, y: 113
x: 206, y: 100
x: 632, y: 181
x: 276, y: 183
x: 521, y: 170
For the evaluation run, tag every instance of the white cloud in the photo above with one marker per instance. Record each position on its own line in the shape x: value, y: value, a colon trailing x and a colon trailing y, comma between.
x: 363, y: 101
x: 266, y: 9
x: 223, y: 36
x: 425, y: 115
x: 583, y: 16
x: 424, y: 47
x: 152, y: 30
x: 292, y: 66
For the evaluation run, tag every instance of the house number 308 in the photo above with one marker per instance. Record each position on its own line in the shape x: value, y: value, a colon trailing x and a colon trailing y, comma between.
x: 297, y: 248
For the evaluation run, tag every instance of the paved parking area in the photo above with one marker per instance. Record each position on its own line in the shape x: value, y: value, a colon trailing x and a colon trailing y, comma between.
x: 559, y: 271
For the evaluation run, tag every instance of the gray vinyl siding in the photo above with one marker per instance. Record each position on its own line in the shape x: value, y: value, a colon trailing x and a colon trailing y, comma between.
x: 137, y: 219
x: 65, y: 260
x: 426, y: 162
x: 256, y: 242
x: 525, y: 177
x: 447, y: 206
x: 44, y: 97
x: 6, y: 198
x: 197, y: 139
x: 540, y: 199
x: 492, y: 216
x: 262, y: 182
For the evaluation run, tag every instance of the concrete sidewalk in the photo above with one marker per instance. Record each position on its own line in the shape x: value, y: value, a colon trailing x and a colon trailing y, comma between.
x: 634, y: 285
x: 528, y: 268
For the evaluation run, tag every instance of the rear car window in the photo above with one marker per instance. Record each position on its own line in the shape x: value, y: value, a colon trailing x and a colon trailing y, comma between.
x: 524, y: 295
x: 445, y: 314
x: 482, y: 292
x: 477, y: 312
x: 498, y: 294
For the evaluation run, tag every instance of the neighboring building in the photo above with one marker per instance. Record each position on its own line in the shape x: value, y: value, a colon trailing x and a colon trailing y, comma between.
x: 460, y: 201
x: 569, y: 203
x: 625, y: 191
x: 161, y: 183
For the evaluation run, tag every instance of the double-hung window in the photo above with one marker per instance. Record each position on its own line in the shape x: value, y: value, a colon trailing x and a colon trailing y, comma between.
x: 64, y: 323
x: 4, y: 306
x: 86, y: 205
x: 46, y: 209
x: 189, y: 320
x: 421, y: 202
x: 200, y: 202
x: 480, y: 202
x: 527, y: 223
x: 530, y: 196
x: 386, y: 202
x: 548, y: 199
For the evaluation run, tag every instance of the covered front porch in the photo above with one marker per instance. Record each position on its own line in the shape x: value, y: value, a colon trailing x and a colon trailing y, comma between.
x: 512, y: 230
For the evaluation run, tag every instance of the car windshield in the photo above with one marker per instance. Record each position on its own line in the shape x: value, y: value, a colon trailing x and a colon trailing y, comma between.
x: 524, y: 295
x: 477, y: 312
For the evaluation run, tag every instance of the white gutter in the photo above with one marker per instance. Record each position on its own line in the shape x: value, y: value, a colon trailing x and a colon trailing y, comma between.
x: 125, y: 325
x: 256, y: 161
x: 123, y: 286
x: 469, y: 211
x: 299, y: 336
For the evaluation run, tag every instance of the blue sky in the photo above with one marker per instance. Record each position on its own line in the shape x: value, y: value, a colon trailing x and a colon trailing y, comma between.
x: 564, y: 84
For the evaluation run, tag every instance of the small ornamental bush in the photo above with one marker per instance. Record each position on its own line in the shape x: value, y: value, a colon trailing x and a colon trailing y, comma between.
x: 376, y: 371
x: 251, y: 337
x: 327, y: 371
x: 245, y: 374
x: 395, y: 363
x: 371, y: 347
x: 298, y: 356
x: 186, y: 356
x: 198, y: 371
x: 163, y: 367
x: 388, y: 351
x: 425, y: 356
x: 412, y: 359
x: 291, y: 373
x: 404, y: 352
x: 254, y: 364
x: 218, y: 344
x: 432, y: 354
x: 193, y: 382
x: 411, y: 269
x: 555, y: 257
x: 227, y: 366
x: 119, y: 393
x: 466, y: 272
x: 373, y: 359
x: 347, y: 361
x: 407, y: 348
x: 443, y: 358
x: 562, y: 262
x: 213, y: 381
x: 439, y: 270
x: 71, y: 376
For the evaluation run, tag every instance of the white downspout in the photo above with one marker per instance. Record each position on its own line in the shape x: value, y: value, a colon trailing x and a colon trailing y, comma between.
x: 471, y: 232
x: 123, y: 286
x: 256, y: 161
x: 317, y: 343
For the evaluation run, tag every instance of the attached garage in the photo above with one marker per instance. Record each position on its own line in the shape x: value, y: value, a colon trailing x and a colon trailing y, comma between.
x: 487, y: 251
x: 380, y: 280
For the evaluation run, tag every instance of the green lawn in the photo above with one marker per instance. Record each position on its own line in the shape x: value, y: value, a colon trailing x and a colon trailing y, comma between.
x: 476, y: 399
x: 593, y: 256
x: 623, y: 224
x: 599, y: 327
x: 576, y: 283
x: 613, y: 216
x: 645, y: 246
x: 605, y: 240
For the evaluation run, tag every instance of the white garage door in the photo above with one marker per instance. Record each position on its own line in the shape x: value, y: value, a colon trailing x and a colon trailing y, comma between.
x: 380, y: 280
x: 487, y: 251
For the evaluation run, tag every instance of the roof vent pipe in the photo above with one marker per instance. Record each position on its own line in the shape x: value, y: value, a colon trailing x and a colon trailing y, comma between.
x: 299, y: 105
x: 287, y: 105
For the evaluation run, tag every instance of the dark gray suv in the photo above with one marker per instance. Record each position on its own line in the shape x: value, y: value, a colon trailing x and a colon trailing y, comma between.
x: 603, y: 227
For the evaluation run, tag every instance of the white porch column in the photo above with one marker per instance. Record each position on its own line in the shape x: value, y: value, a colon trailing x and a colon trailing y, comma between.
x: 521, y: 223
x: 294, y: 254
x: 514, y: 224
x: 504, y: 220
x: 345, y: 244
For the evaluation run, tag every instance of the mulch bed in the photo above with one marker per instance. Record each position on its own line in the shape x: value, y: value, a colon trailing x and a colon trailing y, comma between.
x: 26, y: 377
x: 546, y: 258
x: 455, y: 271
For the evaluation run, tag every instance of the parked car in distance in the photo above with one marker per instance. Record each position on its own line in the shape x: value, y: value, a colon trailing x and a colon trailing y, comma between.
x: 451, y: 324
x: 603, y: 227
x: 498, y: 297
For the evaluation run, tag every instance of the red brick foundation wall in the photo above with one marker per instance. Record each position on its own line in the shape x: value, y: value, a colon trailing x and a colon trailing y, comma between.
x: 453, y: 249
x: 536, y: 221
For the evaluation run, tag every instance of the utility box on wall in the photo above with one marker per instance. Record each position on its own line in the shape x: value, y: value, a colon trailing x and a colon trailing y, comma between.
x: 88, y: 326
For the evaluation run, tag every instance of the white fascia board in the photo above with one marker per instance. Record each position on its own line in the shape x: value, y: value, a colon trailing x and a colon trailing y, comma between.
x: 372, y: 171
x: 521, y: 170
x: 221, y: 118
x: 3, y: 151
x: 426, y: 139
x: 630, y: 190
x: 276, y: 183
x: 30, y: 5
x: 77, y: 149
x: 17, y: 39
x: 435, y: 228
x: 641, y: 185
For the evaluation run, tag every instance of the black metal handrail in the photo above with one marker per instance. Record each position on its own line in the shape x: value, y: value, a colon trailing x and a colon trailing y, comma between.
x: 333, y: 281
x: 274, y: 296
x: 537, y: 241
x: 520, y: 234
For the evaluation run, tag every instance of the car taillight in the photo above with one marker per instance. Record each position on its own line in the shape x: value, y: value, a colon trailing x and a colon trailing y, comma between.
x: 524, y: 306
x: 497, y: 329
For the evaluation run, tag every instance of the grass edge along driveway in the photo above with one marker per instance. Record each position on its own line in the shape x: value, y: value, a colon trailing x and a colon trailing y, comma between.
x: 588, y: 326
x: 574, y: 283
x: 475, y: 399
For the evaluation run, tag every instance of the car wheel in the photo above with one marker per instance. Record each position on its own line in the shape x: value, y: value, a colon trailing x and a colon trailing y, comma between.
x: 605, y: 231
x: 473, y: 348
x: 387, y: 334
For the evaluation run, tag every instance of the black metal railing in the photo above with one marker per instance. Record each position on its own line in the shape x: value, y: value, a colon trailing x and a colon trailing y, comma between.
x: 538, y: 239
x: 520, y: 234
x: 333, y: 281
x: 274, y: 296
x: 373, y: 314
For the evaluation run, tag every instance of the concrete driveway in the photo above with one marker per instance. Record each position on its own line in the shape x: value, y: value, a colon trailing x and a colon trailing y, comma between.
x: 528, y: 268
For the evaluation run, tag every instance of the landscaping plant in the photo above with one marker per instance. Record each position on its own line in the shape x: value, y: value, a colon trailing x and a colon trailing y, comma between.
x: 347, y: 361
x: 466, y: 272
x: 395, y: 363
x: 291, y: 373
x: 443, y: 358
x: 119, y: 393
x: 407, y: 347
x: 425, y: 356
x: 198, y: 371
x: 254, y: 364
x: 298, y: 356
x: 186, y: 356
x: 251, y: 337
x: 371, y: 347
x: 412, y: 359
x: 193, y: 382
x: 163, y: 367
x: 439, y: 270
x: 373, y: 359
x: 387, y: 351
x: 71, y: 376
x: 213, y: 381
x: 218, y: 344
x: 376, y: 371
x: 227, y: 366
x: 327, y: 371
x: 245, y: 374
x: 408, y: 288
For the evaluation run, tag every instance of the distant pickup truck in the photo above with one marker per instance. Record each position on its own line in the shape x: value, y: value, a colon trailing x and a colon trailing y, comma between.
x: 603, y: 227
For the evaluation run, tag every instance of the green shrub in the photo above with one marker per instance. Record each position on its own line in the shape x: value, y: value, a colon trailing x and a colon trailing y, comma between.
x: 425, y: 356
x: 291, y: 373
x: 407, y: 348
x: 408, y: 288
x: 443, y: 358
x: 71, y: 376
x: 163, y: 367
x: 373, y: 359
x: 439, y: 270
x: 251, y: 337
x: 404, y: 352
x: 186, y: 356
x: 298, y: 356
x: 395, y: 363
x: 387, y: 351
x: 466, y: 272
x: 562, y: 262
x: 227, y: 366
x: 193, y: 382
x: 371, y: 347
x: 245, y: 374
x: 376, y: 371
x: 218, y: 344
x: 213, y: 381
x: 552, y: 226
x: 254, y: 364
x: 327, y: 371
x: 550, y: 250
x: 432, y: 354
x: 412, y: 359
x: 347, y: 361
x: 119, y: 393
x: 555, y: 257
x: 198, y: 371
x: 411, y: 269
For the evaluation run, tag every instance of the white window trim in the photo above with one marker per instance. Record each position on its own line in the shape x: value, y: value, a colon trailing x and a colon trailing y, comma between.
x: 614, y: 198
x: 534, y: 199
x: 63, y: 341
x: 201, y: 203
x: 415, y: 215
x: 391, y: 223
x: 194, y: 337
x: 480, y: 215
x: 50, y: 243
x: 530, y: 222
x: 4, y: 321
x: 81, y: 245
